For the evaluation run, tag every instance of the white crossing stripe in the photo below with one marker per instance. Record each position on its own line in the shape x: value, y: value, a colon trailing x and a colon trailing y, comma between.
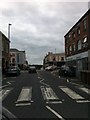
x: 71, y: 93
x: 48, y: 93
x: 4, y: 93
x: 25, y: 95
x: 86, y: 90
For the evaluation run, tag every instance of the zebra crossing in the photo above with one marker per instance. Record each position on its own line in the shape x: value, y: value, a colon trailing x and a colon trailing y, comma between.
x: 25, y: 96
x: 4, y: 93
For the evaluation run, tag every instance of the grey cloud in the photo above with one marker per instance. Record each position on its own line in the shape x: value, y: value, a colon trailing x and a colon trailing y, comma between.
x: 40, y: 27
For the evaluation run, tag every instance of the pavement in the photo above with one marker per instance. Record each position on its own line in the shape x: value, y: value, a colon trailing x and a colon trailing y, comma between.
x: 74, y: 80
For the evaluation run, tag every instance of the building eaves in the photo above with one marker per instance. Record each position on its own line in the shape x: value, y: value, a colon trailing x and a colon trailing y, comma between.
x: 77, y: 23
x: 4, y: 36
x: 14, y: 50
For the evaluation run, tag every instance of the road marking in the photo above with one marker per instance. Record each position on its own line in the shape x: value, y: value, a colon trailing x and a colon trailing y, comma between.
x: 74, y: 83
x: 25, y: 94
x: 53, y: 102
x: 71, y: 93
x: 86, y: 90
x: 55, y: 113
x: 22, y: 104
x: 44, y: 83
x: 6, y: 85
x: 4, y: 93
x: 82, y: 101
x: 48, y: 93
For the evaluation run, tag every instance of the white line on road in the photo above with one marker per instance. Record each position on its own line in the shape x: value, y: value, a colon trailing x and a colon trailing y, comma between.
x: 44, y: 83
x: 86, y: 90
x: 22, y: 104
x: 6, y: 85
x: 71, y: 93
x: 5, y: 93
x: 53, y: 102
x: 25, y: 94
x: 74, y: 83
x: 55, y: 113
x: 82, y: 101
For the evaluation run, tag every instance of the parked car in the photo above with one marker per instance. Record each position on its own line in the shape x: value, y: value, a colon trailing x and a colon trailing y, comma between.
x: 67, y: 71
x: 13, y: 70
x: 32, y: 69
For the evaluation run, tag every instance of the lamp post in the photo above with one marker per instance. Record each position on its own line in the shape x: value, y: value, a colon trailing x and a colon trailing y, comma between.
x: 9, y: 31
x: 9, y: 39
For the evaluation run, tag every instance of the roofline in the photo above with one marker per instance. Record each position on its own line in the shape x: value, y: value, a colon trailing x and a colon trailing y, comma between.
x: 4, y: 36
x: 77, y: 22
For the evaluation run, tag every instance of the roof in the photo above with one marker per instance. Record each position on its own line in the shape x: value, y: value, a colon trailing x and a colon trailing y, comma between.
x: 14, y: 50
x: 4, y: 36
x: 77, y: 22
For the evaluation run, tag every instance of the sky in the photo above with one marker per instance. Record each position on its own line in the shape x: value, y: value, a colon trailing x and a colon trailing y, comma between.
x: 39, y: 26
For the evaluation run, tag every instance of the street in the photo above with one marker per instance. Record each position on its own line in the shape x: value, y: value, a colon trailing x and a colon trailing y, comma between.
x: 43, y: 95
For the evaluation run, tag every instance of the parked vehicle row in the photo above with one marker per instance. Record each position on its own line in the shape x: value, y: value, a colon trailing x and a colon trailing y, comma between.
x: 66, y: 71
x: 32, y: 69
x: 13, y: 70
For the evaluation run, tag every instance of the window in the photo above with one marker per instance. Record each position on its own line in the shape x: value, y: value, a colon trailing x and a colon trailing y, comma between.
x: 79, y: 44
x: 70, y: 48
x: 84, y: 24
x: 84, y: 42
x: 62, y: 58
x: 69, y: 35
x: 7, y: 48
x: 13, y: 60
x: 78, y: 31
x: 66, y: 50
x: 74, y: 47
x: 73, y: 34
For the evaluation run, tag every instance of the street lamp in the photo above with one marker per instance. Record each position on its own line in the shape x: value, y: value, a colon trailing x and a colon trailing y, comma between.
x: 9, y: 31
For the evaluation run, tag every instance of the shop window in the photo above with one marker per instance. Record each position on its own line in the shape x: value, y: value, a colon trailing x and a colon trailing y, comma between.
x: 85, y: 63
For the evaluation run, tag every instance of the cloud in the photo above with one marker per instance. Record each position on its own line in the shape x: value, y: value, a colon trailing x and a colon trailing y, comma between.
x: 39, y: 27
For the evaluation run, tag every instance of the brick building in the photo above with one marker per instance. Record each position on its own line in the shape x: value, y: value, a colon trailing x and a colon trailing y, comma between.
x: 56, y: 59
x: 5, y: 52
x: 77, y: 44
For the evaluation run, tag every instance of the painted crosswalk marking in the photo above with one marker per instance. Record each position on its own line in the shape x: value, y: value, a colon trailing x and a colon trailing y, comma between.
x: 24, y: 97
x: 71, y: 93
x: 48, y: 93
x: 4, y: 93
x: 86, y: 90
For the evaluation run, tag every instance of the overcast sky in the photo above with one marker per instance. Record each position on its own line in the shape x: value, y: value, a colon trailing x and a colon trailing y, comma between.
x: 39, y: 27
